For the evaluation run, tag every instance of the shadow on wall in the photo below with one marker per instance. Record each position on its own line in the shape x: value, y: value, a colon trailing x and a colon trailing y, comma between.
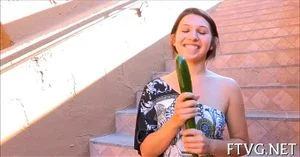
x: 66, y: 130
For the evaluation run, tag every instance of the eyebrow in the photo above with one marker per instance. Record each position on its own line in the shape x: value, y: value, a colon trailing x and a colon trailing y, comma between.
x: 196, y: 25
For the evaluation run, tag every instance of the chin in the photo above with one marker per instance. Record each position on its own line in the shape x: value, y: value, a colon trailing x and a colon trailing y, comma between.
x: 193, y: 57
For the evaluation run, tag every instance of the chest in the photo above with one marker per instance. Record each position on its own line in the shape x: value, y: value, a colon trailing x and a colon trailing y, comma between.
x: 212, y: 92
x: 214, y: 95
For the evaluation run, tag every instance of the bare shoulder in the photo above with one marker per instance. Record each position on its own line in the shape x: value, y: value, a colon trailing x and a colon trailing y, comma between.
x: 234, y: 109
x: 227, y: 82
x: 223, y: 79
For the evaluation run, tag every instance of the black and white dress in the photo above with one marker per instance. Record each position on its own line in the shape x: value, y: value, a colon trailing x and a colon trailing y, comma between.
x: 156, y: 106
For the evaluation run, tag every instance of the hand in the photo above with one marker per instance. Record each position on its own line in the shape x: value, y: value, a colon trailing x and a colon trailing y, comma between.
x: 195, y: 141
x: 185, y: 108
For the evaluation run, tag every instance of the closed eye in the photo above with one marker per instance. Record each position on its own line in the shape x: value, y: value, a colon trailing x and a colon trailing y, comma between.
x: 202, y: 32
x: 185, y: 31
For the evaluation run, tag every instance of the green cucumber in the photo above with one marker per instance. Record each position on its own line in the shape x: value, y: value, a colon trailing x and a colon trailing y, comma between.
x: 185, y: 84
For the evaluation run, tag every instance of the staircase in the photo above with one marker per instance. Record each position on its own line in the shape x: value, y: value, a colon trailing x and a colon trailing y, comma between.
x: 259, y: 48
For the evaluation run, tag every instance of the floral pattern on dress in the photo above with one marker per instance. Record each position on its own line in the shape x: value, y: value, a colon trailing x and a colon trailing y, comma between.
x: 156, y: 107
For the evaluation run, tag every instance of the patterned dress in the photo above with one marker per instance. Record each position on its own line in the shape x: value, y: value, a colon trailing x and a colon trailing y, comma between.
x: 156, y: 106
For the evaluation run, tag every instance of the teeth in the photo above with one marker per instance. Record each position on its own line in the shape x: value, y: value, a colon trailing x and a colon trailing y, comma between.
x: 192, y: 46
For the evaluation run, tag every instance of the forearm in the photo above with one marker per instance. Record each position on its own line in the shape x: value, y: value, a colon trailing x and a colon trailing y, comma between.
x: 157, y: 142
x: 224, y: 147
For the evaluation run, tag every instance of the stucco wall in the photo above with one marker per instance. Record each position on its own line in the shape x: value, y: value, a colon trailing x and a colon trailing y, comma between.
x: 76, y: 88
x: 85, y: 113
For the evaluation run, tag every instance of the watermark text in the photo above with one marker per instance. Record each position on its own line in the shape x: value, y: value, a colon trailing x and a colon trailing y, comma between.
x: 262, y: 149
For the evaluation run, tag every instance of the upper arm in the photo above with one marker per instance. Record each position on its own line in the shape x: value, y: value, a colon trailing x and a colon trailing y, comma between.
x: 146, y: 122
x: 235, y: 115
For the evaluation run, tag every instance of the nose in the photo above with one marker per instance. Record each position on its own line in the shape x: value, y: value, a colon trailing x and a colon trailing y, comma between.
x: 194, y: 35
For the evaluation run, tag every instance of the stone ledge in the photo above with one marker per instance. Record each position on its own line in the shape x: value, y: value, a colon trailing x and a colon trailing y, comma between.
x: 272, y: 115
x: 127, y: 111
x: 114, y: 139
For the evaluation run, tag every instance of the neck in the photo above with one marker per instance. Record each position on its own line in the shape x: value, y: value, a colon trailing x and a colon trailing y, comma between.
x: 197, y: 69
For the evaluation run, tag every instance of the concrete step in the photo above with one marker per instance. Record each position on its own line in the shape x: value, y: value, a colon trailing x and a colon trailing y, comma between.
x: 274, y: 58
x: 259, y: 25
x: 244, y: 10
x: 265, y: 98
x: 271, y: 98
x: 251, y: 20
x: 263, y: 127
x: 113, y: 145
x: 282, y: 75
x: 240, y: 5
x: 259, y: 45
x: 276, y: 14
x: 260, y: 33
x: 273, y: 128
x: 125, y: 121
x: 263, y: 76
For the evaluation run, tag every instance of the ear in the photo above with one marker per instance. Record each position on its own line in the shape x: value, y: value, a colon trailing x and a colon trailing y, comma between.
x: 172, y: 39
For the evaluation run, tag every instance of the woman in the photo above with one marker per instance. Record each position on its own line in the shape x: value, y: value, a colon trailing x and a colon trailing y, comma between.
x: 215, y: 101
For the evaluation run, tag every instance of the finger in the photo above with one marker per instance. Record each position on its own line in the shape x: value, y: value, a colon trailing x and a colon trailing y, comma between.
x: 191, y: 103
x: 189, y: 132
x: 186, y: 96
x: 198, y: 152
x: 196, y: 147
x: 186, y: 104
x: 188, y: 139
x: 185, y: 117
x: 199, y: 146
x: 196, y: 97
x: 192, y: 96
x: 183, y: 111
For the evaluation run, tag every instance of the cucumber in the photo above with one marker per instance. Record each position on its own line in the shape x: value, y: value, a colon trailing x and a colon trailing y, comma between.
x: 185, y: 84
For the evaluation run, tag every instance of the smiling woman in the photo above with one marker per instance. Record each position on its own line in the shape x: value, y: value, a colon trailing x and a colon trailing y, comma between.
x: 216, y: 100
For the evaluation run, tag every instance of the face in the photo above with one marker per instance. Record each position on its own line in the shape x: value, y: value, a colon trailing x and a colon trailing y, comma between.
x: 193, y: 37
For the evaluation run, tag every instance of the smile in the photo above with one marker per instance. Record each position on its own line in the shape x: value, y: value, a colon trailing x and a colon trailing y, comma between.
x: 191, y: 46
